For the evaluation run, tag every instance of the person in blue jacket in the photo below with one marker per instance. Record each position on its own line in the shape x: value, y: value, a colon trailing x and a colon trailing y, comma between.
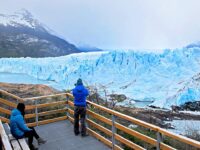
x: 19, y: 128
x: 80, y: 94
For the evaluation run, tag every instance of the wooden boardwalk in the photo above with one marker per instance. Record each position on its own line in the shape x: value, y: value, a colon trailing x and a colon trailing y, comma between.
x: 60, y: 136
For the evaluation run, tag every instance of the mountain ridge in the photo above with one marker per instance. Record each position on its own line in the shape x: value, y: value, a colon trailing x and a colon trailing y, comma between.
x: 23, y: 36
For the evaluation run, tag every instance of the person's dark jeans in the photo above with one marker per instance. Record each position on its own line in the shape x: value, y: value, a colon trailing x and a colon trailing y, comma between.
x: 30, y: 135
x: 79, y: 111
x: 1, y: 145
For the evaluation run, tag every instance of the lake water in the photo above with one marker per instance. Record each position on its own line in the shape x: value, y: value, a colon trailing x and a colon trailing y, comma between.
x: 19, y: 78
x: 142, y: 104
x: 25, y: 79
x: 185, y: 126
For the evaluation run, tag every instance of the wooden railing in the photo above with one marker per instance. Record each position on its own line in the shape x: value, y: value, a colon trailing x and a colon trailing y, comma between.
x: 108, y: 124
x: 35, y: 107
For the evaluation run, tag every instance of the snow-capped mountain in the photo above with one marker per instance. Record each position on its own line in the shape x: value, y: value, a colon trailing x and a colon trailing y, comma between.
x: 168, y: 78
x: 21, y: 35
x: 21, y: 18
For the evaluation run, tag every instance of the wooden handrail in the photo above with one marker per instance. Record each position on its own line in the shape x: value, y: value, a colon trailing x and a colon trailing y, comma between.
x: 128, y: 143
x: 47, y: 121
x: 3, y: 119
x: 28, y: 116
x: 122, y: 128
x: 128, y: 130
x: 46, y: 96
x: 8, y: 103
x: 99, y: 117
x: 123, y: 116
x: 70, y: 103
x: 99, y: 127
x: 136, y: 134
x: 144, y: 124
x: 5, y: 111
x: 98, y: 136
x: 147, y: 125
x: 11, y: 95
x: 118, y: 137
x: 180, y: 138
x: 30, y: 107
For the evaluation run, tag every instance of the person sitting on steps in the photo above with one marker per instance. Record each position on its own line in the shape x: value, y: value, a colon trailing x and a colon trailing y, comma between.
x: 19, y: 128
x: 80, y: 93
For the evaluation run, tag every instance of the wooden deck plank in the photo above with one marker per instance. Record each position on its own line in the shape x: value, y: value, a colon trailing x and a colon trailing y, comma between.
x: 4, y: 138
x: 13, y: 141
x: 15, y: 145
x: 23, y: 144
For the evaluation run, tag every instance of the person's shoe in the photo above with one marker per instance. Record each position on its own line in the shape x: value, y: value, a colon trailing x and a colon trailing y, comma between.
x: 32, y: 147
x: 77, y: 133
x: 84, y: 135
x: 41, y: 141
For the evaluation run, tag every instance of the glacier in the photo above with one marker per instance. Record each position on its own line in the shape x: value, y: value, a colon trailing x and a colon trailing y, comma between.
x: 168, y: 78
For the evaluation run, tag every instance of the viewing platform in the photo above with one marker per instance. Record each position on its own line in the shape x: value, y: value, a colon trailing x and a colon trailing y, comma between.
x: 52, y: 117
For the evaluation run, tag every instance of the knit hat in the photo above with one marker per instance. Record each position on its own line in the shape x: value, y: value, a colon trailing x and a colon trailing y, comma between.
x: 21, y: 108
x: 79, y: 82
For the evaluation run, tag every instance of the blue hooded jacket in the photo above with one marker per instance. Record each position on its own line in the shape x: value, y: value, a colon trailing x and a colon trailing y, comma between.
x: 80, y: 93
x: 17, y: 124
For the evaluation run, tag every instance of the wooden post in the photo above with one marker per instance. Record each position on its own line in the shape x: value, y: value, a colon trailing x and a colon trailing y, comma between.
x: 36, y: 113
x: 159, y: 140
x: 86, y: 118
x: 67, y: 106
x: 113, y: 132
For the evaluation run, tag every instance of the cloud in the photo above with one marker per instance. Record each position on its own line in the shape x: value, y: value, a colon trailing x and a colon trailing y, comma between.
x: 117, y: 24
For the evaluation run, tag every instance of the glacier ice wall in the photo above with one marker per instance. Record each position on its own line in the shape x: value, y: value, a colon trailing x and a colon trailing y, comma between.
x: 166, y: 78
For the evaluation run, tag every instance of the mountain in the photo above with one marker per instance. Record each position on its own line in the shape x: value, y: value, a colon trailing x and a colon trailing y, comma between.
x: 164, y: 79
x: 88, y: 48
x: 28, y: 90
x: 196, y: 44
x: 23, y: 36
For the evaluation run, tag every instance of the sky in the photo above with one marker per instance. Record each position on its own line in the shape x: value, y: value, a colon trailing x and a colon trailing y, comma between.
x: 117, y: 24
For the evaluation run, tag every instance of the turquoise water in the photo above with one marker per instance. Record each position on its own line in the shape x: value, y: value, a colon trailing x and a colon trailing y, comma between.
x: 19, y: 78
x: 25, y: 79
x: 142, y: 104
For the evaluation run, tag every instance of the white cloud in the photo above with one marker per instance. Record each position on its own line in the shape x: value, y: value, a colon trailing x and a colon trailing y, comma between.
x: 149, y: 24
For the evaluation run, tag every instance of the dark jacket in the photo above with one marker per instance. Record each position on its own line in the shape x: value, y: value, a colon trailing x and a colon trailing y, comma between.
x: 80, y: 93
x: 17, y: 124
